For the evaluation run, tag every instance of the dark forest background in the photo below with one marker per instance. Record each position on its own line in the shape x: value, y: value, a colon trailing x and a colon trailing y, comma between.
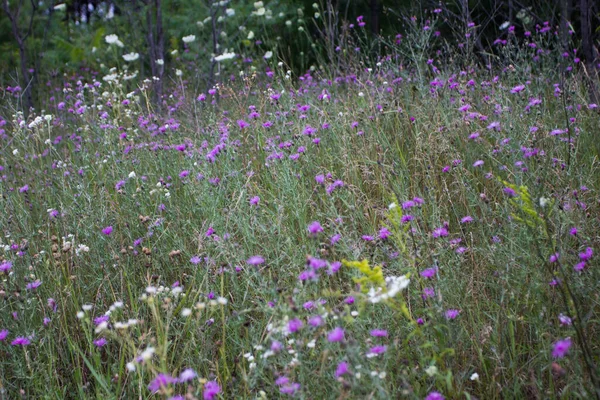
x: 43, y: 39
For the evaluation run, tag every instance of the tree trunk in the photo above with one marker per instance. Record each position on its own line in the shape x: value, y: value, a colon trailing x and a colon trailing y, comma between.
x: 565, y: 18
x: 375, y: 11
x: 587, y: 48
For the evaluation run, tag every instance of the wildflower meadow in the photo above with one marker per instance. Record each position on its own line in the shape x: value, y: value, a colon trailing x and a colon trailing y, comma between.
x: 399, y: 217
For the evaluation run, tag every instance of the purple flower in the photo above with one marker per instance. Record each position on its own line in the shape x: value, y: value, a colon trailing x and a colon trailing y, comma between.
x: 517, y: 89
x: 336, y: 335
x: 384, y: 233
x: 3, y: 334
x: 587, y: 254
x: 335, y: 238
x: 451, y: 314
x: 376, y: 350
x: 33, y: 285
x: 434, y: 396
x: 367, y: 238
x: 99, y: 342
x: 428, y: 273
x: 295, y: 325
x: 466, y: 220
x: 254, y: 201
x: 242, y: 124
x: 195, y: 260
x: 187, y: 375
x: 290, y: 388
x: 108, y: 230
x: 20, y: 341
x: 24, y: 189
x: 255, y: 260
x: 564, y: 320
x: 184, y: 173
x: 379, y: 333
x: 161, y: 381
x: 439, y: 232
x: 5, y: 266
x: 314, y: 228
x: 478, y: 163
x: 510, y: 192
x: 561, y: 348
x: 315, y: 321
x: 341, y: 369
x: 211, y: 390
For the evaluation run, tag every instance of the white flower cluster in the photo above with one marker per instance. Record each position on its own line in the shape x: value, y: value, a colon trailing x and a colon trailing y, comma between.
x: 395, y: 284
x: 113, y: 39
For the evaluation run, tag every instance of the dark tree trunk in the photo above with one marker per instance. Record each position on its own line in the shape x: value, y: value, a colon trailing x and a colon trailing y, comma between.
x: 155, y: 39
x: 375, y: 11
x: 21, y: 39
x: 587, y: 48
x: 565, y: 18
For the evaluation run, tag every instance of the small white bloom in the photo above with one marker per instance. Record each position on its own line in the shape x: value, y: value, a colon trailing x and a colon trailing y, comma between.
x: 250, y: 35
x: 189, y: 39
x: 224, y: 56
x: 230, y: 12
x: 130, y: 367
x: 111, y: 39
x: 222, y: 300
x: 474, y: 376
x: 132, y: 174
x: 86, y: 307
x: 80, y: 315
x: 268, y: 55
x: 186, y: 312
x: 178, y: 72
x: 131, y: 57
x: 160, y: 61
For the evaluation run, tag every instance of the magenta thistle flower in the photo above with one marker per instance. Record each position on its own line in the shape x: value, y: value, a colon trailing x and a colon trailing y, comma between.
x: 211, y: 390
x: 379, y: 333
x: 384, y: 233
x: 561, y: 348
x: 3, y: 334
x: 451, y: 314
x: 376, y: 350
x: 33, y: 285
x: 254, y: 201
x: 108, y: 230
x: 195, y: 260
x: 314, y: 228
x: 341, y: 369
x: 510, y: 192
x: 434, y: 396
x: 255, y: 260
x: 99, y: 342
x: 295, y: 325
x: 20, y: 341
x: 336, y: 335
x: 161, y: 381
x: 428, y: 273
x: 5, y: 266
x: 466, y: 220
x: 478, y: 163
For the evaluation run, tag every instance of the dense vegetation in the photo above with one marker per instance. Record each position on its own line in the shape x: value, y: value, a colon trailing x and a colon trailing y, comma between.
x: 408, y: 217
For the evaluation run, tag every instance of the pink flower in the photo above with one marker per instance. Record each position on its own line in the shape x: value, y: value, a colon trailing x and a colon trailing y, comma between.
x: 108, y: 230
x: 20, y: 341
x: 336, y: 335
x: 3, y: 334
x: 314, y: 228
x: 255, y: 260
x: 561, y: 348
x: 341, y: 369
